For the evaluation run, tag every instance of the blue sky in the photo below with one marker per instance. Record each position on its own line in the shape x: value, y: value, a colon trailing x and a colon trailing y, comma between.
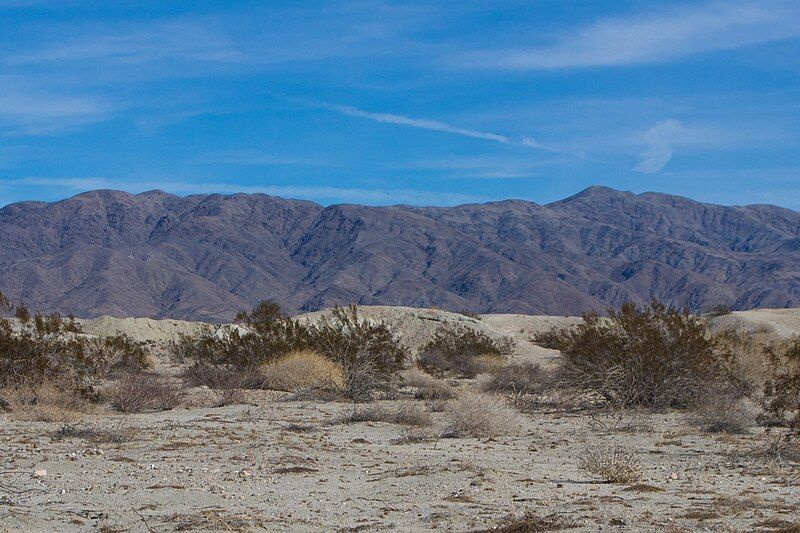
x: 424, y: 103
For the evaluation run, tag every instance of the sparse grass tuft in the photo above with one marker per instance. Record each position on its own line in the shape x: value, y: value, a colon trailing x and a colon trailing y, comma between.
x: 612, y: 464
x: 115, y: 435
x: 407, y: 414
x: 533, y: 523
x: 477, y: 415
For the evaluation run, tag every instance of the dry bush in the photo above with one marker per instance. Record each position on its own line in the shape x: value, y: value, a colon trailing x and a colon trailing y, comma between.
x: 653, y: 357
x: 461, y: 351
x: 215, y: 377
x: 720, y: 410
x: 612, y: 464
x: 114, y: 435
x: 782, y: 389
x: 476, y: 415
x: 44, y: 401
x: 301, y: 369
x: 413, y: 435
x: 138, y: 392
x: 49, y: 348
x: 228, y: 396
x: 533, y: 523
x: 517, y: 378
x: 427, y: 387
x: 406, y: 414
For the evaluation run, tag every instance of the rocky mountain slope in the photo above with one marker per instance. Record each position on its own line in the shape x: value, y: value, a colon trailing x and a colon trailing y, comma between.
x: 204, y: 257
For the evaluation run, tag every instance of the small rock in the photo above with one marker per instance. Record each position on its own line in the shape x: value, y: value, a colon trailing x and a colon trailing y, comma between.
x: 40, y: 473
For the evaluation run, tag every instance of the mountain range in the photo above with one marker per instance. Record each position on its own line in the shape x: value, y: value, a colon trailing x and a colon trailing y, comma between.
x: 204, y: 257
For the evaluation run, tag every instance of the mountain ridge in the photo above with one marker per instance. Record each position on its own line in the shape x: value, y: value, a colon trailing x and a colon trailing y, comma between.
x: 206, y: 256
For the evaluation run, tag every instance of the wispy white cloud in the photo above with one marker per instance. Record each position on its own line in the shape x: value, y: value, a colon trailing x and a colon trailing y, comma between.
x: 656, y: 36
x: 322, y: 194
x: 180, y: 39
x: 28, y: 110
x: 659, y: 140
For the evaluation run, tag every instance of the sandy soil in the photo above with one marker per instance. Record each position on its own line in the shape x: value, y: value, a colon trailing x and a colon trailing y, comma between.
x: 273, y: 464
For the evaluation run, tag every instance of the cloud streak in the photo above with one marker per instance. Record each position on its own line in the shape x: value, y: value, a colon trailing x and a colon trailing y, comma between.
x: 436, y: 125
x: 421, y: 123
x: 655, y: 37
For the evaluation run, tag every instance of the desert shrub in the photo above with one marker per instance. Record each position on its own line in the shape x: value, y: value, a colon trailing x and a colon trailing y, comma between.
x: 105, y: 435
x: 21, y: 312
x: 346, y: 338
x: 532, y: 523
x: 44, y: 401
x: 299, y: 370
x: 138, y: 392
x: 407, y: 414
x: 228, y: 396
x: 34, y: 356
x: 427, y: 387
x: 720, y: 410
x: 121, y: 353
x: 553, y: 339
x: 268, y: 335
x: 782, y: 390
x: 517, y: 378
x: 456, y: 349
x: 219, y: 378
x: 654, y: 357
x: 748, y: 358
x: 369, y: 353
x: 51, y: 348
x: 475, y: 415
x: 361, y: 355
x: 612, y: 464
x: 719, y: 310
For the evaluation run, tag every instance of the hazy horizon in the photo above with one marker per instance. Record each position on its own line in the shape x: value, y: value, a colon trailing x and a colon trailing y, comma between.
x: 375, y: 204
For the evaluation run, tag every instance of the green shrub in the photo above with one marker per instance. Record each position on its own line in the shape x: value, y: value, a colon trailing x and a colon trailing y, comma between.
x: 123, y: 354
x: 552, y: 339
x: 32, y: 356
x: 49, y: 348
x: 369, y: 353
x: 456, y: 349
x: 655, y: 357
x: 270, y: 335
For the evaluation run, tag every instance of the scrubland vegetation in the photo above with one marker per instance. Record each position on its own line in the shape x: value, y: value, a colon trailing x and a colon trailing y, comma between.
x: 463, y: 384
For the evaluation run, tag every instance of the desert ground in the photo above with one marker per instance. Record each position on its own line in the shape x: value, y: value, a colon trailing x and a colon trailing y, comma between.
x: 278, y: 461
